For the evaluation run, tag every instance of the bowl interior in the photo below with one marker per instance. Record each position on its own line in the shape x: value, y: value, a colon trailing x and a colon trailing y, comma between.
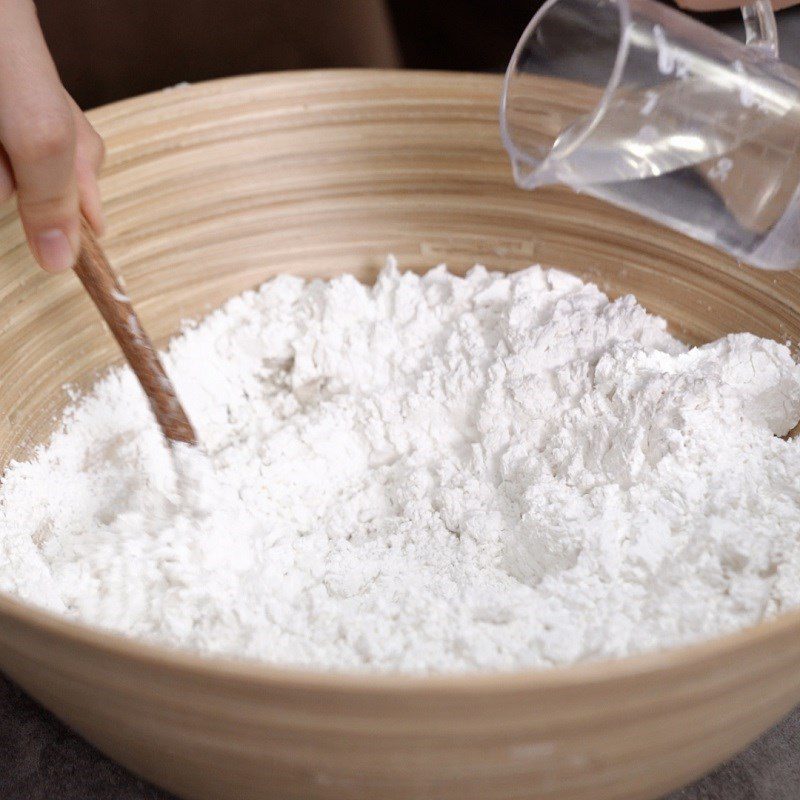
x: 212, y: 189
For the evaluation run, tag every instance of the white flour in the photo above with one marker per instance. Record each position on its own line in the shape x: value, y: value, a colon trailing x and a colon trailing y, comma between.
x: 432, y: 474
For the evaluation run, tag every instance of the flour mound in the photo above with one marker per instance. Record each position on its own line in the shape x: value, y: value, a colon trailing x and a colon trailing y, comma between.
x: 435, y: 473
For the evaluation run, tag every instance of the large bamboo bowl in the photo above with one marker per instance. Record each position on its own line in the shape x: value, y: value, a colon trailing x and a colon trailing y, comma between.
x: 212, y: 189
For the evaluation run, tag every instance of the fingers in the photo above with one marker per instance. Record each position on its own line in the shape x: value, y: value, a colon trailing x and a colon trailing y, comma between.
x: 38, y: 133
x: 47, y: 190
x: 89, y: 156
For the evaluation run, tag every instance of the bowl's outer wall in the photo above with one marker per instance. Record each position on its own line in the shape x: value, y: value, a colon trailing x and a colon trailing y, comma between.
x: 210, y: 190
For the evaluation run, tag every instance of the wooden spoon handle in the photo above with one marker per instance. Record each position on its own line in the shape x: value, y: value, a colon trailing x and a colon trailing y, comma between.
x: 105, y: 289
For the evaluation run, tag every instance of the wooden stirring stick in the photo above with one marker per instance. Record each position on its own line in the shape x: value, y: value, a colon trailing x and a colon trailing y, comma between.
x: 105, y: 289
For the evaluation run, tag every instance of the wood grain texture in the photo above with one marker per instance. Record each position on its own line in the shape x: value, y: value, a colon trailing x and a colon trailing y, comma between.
x: 108, y: 294
x: 214, y: 188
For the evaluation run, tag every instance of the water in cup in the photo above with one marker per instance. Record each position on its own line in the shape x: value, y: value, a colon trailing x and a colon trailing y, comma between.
x: 646, y: 108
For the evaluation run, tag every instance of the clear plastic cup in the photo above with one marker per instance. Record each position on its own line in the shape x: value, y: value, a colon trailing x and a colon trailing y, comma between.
x: 645, y: 107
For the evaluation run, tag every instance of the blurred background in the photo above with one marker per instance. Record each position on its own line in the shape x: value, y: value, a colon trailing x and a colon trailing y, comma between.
x: 109, y: 49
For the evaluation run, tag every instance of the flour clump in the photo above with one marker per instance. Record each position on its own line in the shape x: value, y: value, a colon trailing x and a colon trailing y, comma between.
x: 433, y: 473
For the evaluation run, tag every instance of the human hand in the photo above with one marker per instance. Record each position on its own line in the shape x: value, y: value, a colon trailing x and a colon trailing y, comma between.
x: 49, y: 152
